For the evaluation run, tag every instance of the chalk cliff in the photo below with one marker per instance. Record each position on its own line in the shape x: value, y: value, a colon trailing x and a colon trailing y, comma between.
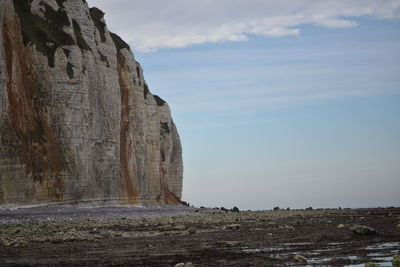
x: 77, y: 120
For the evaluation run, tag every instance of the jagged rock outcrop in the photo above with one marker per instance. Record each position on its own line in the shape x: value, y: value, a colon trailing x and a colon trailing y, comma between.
x: 77, y: 120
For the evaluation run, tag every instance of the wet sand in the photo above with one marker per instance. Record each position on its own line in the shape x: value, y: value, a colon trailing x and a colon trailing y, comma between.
x: 165, y: 236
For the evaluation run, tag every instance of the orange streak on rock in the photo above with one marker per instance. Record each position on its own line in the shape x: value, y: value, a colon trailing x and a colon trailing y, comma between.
x: 168, y: 196
x: 38, y: 147
x: 128, y: 171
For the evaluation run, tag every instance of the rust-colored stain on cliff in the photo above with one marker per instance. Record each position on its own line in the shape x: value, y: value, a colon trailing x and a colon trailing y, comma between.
x: 38, y: 147
x: 168, y: 196
x: 126, y: 146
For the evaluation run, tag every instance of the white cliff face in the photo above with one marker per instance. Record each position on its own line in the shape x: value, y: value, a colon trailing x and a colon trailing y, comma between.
x: 77, y: 121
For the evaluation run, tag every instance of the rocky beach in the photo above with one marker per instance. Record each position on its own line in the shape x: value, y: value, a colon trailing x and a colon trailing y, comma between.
x: 91, y: 161
x: 170, y: 235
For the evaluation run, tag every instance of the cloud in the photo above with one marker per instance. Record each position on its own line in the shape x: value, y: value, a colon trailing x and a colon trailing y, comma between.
x: 270, y: 99
x: 151, y: 25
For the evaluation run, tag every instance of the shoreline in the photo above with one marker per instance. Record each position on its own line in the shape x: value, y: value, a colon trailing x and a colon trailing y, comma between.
x: 206, y: 237
x: 73, y: 213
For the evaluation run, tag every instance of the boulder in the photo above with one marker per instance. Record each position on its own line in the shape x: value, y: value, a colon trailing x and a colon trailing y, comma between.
x: 300, y: 258
x: 362, y: 230
x: 233, y: 227
x: 192, y: 230
x: 340, y: 226
x: 235, y: 209
x: 396, y: 261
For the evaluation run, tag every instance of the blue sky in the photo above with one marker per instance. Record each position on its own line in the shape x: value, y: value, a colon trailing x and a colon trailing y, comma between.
x: 301, y: 108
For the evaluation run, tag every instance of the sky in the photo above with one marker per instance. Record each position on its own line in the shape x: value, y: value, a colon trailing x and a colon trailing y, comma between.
x: 278, y: 103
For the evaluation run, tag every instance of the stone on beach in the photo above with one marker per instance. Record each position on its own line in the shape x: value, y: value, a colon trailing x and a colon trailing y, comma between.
x: 362, y: 230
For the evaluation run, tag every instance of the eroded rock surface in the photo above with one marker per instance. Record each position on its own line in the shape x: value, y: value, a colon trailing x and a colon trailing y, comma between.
x: 77, y: 120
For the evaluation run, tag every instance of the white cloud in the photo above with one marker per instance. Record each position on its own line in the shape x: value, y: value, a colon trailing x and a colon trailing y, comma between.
x: 155, y: 24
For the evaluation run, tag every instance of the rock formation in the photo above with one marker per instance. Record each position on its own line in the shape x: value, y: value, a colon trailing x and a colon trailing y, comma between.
x: 77, y: 120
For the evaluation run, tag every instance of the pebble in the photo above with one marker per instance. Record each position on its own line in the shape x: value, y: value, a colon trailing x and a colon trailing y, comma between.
x: 180, y: 227
x: 183, y: 264
x: 396, y: 261
x: 362, y: 230
x: 228, y: 243
x: 192, y: 230
x: 288, y: 227
x: 300, y: 258
x: 233, y: 227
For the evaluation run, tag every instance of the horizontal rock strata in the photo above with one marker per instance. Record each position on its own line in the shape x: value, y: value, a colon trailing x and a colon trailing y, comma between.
x: 77, y: 120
